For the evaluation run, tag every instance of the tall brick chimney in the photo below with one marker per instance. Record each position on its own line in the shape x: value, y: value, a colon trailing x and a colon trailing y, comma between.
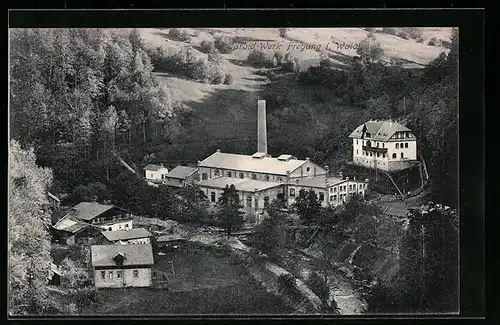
x: 261, y: 126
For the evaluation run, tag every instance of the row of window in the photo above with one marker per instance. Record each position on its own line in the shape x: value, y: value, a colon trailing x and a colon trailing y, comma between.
x: 241, y: 175
x: 400, y: 145
x: 119, y: 274
x: 394, y: 156
x: 119, y: 227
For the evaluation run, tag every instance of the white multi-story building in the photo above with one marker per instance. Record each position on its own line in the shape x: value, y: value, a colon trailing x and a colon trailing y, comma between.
x: 385, y: 145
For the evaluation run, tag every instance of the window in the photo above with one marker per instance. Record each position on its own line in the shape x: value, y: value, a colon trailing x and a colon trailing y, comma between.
x: 360, y: 193
x: 335, y: 197
x: 292, y: 192
x: 229, y: 174
x: 109, y: 229
x: 126, y: 225
x: 256, y: 203
x: 120, y: 226
x: 321, y: 196
x: 254, y: 176
x: 212, y: 196
x: 249, y: 201
x: 378, y: 144
x: 345, y: 188
x: 331, y: 197
x: 378, y: 154
x: 204, y: 176
x: 103, y: 275
x: 216, y: 172
x: 383, y: 145
x: 402, y: 156
x: 267, y: 177
x: 308, y: 169
x: 406, y: 145
x: 280, y: 179
x: 350, y: 187
x: 266, y: 201
x: 397, y: 145
x: 401, y: 145
x: 354, y: 186
x: 407, y: 134
x: 394, y: 156
x: 119, y: 274
x: 136, y: 274
x: 111, y: 275
x: 356, y: 151
x: 242, y: 175
x: 162, y: 176
x: 371, y: 154
x: 356, y: 141
x: 383, y: 155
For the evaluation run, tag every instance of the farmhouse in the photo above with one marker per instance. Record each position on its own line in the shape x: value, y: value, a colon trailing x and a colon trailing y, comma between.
x: 155, y: 172
x: 181, y: 176
x: 385, y: 145
x: 330, y: 191
x: 124, y: 237
x: 104, y: 216
x: 71, y: 230
x: 117, y: 266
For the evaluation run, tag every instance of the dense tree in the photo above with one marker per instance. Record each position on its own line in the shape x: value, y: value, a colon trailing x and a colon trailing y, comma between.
x: 229, y: 214
x: 29, y: 242
x: 307, y: 206
x: 370, y: 50
x: 270, y: 234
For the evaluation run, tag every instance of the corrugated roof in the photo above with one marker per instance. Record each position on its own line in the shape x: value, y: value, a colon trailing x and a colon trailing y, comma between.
x: 247, y: 185
x: 181, y: 172
x: 70, y: 224
x: 126, y: 234
x: 140, y: 254
x: 267, y: 165
x: 89, y: 210
x: 154, y: 167
x: 380, y: 130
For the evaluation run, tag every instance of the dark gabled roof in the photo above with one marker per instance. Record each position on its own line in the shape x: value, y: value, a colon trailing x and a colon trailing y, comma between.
x: 181, y: 172
x: 379, y: 130
x: 89, y: 210
x: 153, y: 167
x: 126, y: 234
x: 140, y: 254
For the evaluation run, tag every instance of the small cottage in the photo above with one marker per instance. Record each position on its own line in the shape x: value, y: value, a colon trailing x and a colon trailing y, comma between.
x: 118, y: 266
x: 104, y: 216
x: 181, y: 176
x: 155, y: 172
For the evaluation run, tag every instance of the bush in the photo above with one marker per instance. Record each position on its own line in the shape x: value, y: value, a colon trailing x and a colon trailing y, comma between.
x: 390, y: 30
x: 287, y: 282
x: 208, y: 47
x: 178, y: 35
x: 214, y: 57
x: 283, y: 32
x: 325, y: 63
x: 370, y: 30
x: 419, y: 40
x: 433, y: 42
x: 292, y: 65
x: 414, y: 32
x: 228, y: 79
x: 217, y: 76
x: 259, y: 59
x: 279, y: 57
x: 223, y: 44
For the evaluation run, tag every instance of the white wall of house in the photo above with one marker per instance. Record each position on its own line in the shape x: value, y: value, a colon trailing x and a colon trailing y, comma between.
x: 117, y: 225
x: 156, y: 175
x: 332, y: 195
x: 208, y: 173
x: 399, y: 153
x: 145, y: 240
x: 118, y: 278
x: 308, y: 169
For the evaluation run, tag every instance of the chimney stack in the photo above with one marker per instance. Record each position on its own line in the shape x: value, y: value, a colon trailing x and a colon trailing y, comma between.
x: 261, y: 126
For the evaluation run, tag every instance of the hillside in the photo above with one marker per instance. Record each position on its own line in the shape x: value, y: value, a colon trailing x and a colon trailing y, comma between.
x: 223, y: 116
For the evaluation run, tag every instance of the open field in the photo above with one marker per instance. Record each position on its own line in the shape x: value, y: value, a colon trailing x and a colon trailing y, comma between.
x: 203, y: 283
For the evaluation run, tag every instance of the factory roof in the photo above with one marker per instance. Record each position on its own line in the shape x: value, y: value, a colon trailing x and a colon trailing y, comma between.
x: 379, y: 130
x: 248, y: 163
x: 139, y: 254
x: 126, y: 234
x: 246, y: 185
x: 181, y: 172
x: 154, y: 167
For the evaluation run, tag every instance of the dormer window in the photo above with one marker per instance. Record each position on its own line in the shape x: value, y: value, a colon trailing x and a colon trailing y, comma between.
x: 119, y: 258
